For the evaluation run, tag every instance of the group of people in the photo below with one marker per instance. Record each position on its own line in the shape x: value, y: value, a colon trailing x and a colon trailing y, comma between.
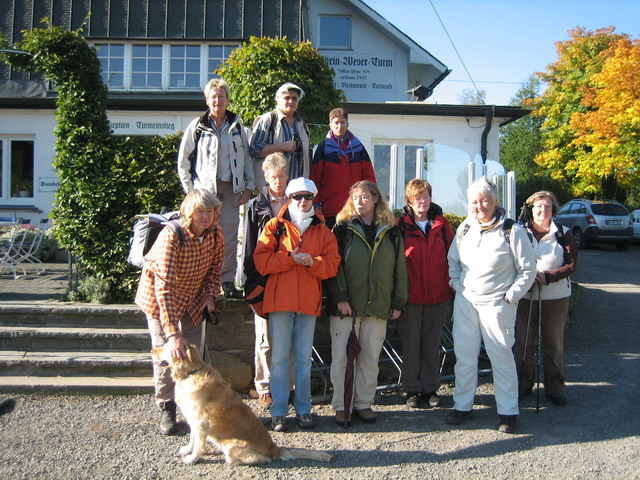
x: 321, y: 224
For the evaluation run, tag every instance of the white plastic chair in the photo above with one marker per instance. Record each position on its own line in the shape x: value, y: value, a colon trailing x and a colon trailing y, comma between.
x: 27, y: 252
x: 10, y: 250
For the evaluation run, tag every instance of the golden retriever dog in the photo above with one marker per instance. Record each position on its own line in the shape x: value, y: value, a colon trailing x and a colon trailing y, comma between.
x: 215, y: 412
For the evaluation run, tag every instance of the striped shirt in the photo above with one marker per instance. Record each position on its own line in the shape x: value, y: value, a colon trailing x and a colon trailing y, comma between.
x: 177, y: 278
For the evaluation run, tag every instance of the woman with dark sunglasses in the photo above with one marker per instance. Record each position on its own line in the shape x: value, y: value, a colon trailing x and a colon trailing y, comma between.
x: 297, y: 251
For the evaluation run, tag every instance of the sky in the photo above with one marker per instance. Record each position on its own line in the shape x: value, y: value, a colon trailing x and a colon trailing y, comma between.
x: 501, y: 42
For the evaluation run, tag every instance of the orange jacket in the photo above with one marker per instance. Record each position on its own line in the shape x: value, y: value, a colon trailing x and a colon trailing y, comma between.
x: 292, y: 287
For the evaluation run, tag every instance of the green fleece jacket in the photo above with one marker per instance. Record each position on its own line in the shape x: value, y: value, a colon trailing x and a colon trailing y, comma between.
x: 372, y: 280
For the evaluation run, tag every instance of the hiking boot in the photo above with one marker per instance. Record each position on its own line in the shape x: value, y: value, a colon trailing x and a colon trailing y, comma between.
x: 431, y: 398
x: 279, y: 424
x: 230, y: 291
x: 415, y: 400
x: 168, y: 423
x: 305, y: 421
x: 558, y: 399
x: 366, y: 415
x: 265, y: 399
x: 508, y: 423
x: 456, y: 417
x: 342, y: 418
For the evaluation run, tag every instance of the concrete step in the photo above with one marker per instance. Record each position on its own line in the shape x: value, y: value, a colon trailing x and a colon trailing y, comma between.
x: 73, y: 338
x: 87, y: 385
x: 75, y: 363
x: 71, y: 314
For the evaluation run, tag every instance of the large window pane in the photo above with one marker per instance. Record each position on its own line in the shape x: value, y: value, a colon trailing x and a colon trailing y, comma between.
x: 217, y: 55
x: 21, y: 168
x: 112, y: 62
x: 184, y: 66
x: 146, y: 66
x: 335, y: 32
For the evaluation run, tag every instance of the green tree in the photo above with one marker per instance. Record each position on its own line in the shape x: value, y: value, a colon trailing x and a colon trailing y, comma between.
x: 104, y: 180
x: 521, y: 141
x: 568, y: 80
x: 256, y: 70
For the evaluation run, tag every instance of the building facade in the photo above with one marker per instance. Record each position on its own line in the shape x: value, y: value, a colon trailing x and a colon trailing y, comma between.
x: 156, y: 56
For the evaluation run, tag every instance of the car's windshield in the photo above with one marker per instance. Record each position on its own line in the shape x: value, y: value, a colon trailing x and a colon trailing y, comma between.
x: 608, y: 209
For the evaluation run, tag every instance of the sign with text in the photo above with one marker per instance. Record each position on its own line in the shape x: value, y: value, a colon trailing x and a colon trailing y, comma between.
x: 48, y: 184
x: 133, y: 125
x: 363, y: 72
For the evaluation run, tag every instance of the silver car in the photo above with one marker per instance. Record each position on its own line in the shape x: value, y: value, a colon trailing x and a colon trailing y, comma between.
x: 593, y: 221
x: 635, y: 219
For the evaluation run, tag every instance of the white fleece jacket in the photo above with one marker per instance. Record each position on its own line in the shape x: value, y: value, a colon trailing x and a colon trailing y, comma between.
x: 485, y: 268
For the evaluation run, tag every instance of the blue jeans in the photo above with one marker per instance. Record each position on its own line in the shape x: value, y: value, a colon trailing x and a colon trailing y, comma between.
x: 291, y: 328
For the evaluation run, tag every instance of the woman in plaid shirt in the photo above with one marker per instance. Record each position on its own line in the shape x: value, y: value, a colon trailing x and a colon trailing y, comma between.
x: 181, y: 277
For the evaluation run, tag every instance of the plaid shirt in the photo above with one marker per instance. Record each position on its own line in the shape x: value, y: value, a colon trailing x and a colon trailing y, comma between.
x: 177, y: 278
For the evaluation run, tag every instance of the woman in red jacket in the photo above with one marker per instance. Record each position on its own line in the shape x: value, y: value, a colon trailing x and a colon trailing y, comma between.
x: 427, y: 235
x: 297, y: 251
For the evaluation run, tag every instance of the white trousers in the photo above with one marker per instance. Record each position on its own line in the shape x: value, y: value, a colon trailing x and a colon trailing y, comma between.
x: 495, y: 325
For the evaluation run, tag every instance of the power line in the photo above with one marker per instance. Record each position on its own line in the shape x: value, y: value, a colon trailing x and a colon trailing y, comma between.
x: 454, y: 47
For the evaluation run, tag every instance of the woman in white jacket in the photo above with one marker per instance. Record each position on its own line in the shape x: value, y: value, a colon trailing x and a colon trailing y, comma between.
x: 491, y: 266
x: 556, y: 259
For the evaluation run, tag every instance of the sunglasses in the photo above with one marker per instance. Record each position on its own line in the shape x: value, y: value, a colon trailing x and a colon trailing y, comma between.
x: 300, y: 196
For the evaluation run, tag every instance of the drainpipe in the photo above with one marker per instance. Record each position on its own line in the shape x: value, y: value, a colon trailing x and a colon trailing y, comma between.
x: 488, y: 115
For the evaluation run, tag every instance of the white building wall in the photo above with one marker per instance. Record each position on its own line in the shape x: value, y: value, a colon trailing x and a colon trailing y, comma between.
x: 375, y: 69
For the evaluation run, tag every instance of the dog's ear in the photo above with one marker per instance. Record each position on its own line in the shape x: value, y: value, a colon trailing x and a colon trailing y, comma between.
x: 192, y: 353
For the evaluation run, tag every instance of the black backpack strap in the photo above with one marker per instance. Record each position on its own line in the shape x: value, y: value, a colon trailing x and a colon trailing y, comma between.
x: 193, y: 156
x: 506, y: 229
x: 175, y: 225
x: 559, y: 234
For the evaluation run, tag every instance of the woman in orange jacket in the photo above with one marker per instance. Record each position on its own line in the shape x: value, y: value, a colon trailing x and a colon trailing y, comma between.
x: 297, y: 251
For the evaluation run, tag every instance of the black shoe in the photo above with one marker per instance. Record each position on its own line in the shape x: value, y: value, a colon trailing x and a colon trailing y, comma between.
x: 230, y: 290
x: 432, y: 399
x: 456, y: 417
x: 168, y: 423
x: 558, y: 399
x: 415, y: 400
x: 525, y: 393
x: 508, y: 423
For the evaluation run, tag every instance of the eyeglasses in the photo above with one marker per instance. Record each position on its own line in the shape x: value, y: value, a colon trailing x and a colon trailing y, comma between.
x: 300, y: 196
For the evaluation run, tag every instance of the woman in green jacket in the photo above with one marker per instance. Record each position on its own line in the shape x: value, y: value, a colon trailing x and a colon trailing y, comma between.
x: 372, y: 284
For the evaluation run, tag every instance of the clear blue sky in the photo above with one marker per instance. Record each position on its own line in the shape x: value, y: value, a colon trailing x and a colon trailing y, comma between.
x: 501, y: 42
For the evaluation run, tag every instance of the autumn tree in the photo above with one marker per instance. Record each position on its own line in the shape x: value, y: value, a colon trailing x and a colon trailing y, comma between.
x: 471, y: 96
x: 571, y: 82
x: 607, y: 138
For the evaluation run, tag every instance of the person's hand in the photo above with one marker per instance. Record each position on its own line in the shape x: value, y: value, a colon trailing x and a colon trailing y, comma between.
x: 394, y: 314
x: 210, y: 302
x: 178, y: 346
x: 289, y: 146
x: 303, y: 259
x: 246, y: 196
x: 540, y: 278
x: 344, y: 308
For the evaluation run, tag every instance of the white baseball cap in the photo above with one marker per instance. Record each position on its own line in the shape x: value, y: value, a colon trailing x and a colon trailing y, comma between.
x: 301, y: 184
x: 284, y: 88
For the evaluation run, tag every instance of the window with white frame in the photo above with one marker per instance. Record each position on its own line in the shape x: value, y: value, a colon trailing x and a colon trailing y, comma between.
x: 160, y: 66
x: 217, y: 55
x: 335, y: 31
x: 406, y: 167
x: 16, y: 176
x: 184, y: 66
x: 111, y: 58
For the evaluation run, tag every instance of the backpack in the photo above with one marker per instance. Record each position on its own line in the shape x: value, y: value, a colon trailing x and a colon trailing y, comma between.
x: 506, y: 230
x: 145, y: 232
x: 254, y: 292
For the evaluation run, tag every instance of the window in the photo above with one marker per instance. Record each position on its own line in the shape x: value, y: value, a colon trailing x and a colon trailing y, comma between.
x: 184, y: 66
x: 160, y: 66
x: 16, y: 176
x: 112, y: 61
x: 146, y: 66
x: 217, y: 55
x: 335, y: 32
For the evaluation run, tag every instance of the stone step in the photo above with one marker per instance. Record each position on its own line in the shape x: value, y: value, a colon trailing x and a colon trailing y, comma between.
x: 38, y: 364
x: 54, y: 338
x: 72, y: 314
x: 87, y: 385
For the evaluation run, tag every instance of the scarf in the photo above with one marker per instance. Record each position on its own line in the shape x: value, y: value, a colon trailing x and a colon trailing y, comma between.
x: 345, y: 147
x: 301, y: 220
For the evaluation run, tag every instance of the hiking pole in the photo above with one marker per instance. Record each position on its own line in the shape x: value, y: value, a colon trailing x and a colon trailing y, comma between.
x: 539, y: 347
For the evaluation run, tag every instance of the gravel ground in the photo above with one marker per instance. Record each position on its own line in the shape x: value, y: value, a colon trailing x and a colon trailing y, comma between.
x: 596, y: 436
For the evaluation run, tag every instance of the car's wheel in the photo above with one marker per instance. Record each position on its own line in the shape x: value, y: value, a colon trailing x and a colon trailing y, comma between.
x: 622, y: 246
x: 578, y: 236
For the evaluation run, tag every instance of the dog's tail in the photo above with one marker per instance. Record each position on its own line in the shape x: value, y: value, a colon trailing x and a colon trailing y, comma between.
x: 292, y: 453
